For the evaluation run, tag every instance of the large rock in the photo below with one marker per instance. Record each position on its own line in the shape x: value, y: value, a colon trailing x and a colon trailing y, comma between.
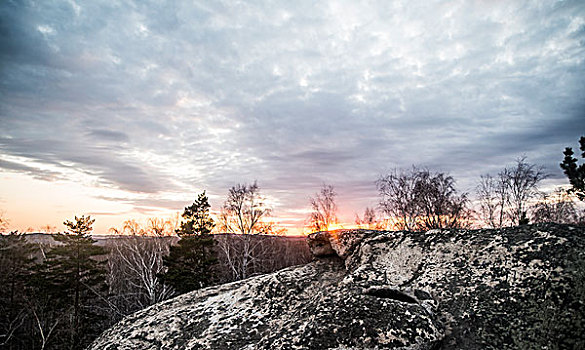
x: 453, y: 289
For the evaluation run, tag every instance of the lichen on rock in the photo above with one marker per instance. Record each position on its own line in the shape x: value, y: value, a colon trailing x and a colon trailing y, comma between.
x: 452, y: 289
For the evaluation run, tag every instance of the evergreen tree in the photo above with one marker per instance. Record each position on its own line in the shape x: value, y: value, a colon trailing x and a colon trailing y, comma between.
x: 190, y: 263
x: 576, y: 174
x: 197, y: 220
x: 16, y: 264
x: 73, y: 284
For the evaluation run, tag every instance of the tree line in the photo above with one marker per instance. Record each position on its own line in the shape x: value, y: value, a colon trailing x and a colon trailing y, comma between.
x: 418, y: 199
x: 63, y: 295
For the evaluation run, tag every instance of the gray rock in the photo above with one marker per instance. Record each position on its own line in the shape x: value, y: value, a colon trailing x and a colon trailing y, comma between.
x: 452, y: 289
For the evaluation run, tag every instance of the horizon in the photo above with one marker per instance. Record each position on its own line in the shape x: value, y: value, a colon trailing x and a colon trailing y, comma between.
x: 128, y: 111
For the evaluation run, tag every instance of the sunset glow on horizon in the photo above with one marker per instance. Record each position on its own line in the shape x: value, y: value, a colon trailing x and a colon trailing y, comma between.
x: 127, y: 111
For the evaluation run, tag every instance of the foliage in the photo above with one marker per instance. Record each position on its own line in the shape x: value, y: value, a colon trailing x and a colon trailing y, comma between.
x: 197, y: 219
x: 576, y: 174
x: 70, y: 288
x: 421, y: 200
x: 16, y: 264
x: 190, y: 262
x: 324, y: 209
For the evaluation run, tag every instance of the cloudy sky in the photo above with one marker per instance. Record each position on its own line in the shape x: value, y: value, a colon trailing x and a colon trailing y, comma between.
x: 127, y: 109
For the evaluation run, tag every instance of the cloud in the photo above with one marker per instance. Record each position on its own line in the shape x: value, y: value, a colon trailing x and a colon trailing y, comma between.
x: 153, y: 97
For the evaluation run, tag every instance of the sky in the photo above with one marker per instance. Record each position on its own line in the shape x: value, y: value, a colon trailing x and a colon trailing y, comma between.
x: 129, y: 109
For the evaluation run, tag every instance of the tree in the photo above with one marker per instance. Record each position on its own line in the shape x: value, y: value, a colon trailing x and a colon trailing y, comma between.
x: 522, y: 181
x: 505, y: 199
x: 16, y: 263
x: 421, y: 200
x: 398, y: 198
x: 3, y: 222
x: 197, y: 218
x: 72, y: 282
x: 190, y: 262
x: 439, y: 203
x: 493, y: 197
x: 557, y: 207
x: 135, y: 264
x: 576, y: 174
x: 369, y: 219
x: 324, y: 209
x: 243, y: 214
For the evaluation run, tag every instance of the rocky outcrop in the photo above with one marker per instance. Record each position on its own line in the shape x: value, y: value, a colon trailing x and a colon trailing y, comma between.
x: 513, y: 288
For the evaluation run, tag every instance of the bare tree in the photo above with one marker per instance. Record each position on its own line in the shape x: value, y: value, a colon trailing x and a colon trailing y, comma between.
x: 48, y: 228
x: 324, y: 209
x: 558, y: 206
x: 158, y: 227
x: 134, y: 265
x: 369, y: 220
x: 522, y: 181
x: 439, y: 203
x: 242, y: 215
x: 398, y: 198
x: 493, y: 196
x: 421, y: 200
x: 3, y: 221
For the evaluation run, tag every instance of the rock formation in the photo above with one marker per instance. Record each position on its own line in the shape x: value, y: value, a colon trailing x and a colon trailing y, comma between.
x: 521, y: 287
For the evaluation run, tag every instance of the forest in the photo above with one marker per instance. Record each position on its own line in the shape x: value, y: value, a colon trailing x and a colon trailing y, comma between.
x: 60, y: 291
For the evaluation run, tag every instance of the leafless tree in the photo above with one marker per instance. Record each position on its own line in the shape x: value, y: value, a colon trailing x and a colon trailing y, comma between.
x: 439, y: 203
x: 134, y: 265
x: 369, y: 220
x: 242, y: 215
x: 158, y: 227
x: 324, y: 209
x: 523, y: 180
x: 3, y: 221
x: 48, y: 228
x: 493, y: 196
x: 421, y: 200
x: 558, y: 206
x: 398, y: 198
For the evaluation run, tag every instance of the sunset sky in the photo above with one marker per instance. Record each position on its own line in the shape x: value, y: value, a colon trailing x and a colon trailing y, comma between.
x: 128, y: 109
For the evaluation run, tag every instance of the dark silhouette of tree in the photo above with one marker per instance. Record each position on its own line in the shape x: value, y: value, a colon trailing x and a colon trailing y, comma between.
x: 197, y: 219
x: 369, y: 220
x: 421, y: 200
x: 190, y: 262
x: 576, y: 174
x: 398, y: 198
x: 324, y: 209
x: 493, y: 196
x: 522, y: 180
x: 16, y: 264
x: 504, y: 200
x: 70, y: 287
x: 556, y: 207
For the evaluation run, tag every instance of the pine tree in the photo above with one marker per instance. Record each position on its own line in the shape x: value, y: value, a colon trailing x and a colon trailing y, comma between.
x: 190, y: 263
x: 74, y: 284
x: 576, y: 174
x: 16, y: 265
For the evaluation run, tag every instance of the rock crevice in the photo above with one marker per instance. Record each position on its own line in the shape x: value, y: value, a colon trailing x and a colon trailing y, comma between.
x: 497, y: 289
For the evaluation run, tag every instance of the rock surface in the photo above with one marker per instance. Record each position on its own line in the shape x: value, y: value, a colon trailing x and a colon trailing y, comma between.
x: 512, y: 288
